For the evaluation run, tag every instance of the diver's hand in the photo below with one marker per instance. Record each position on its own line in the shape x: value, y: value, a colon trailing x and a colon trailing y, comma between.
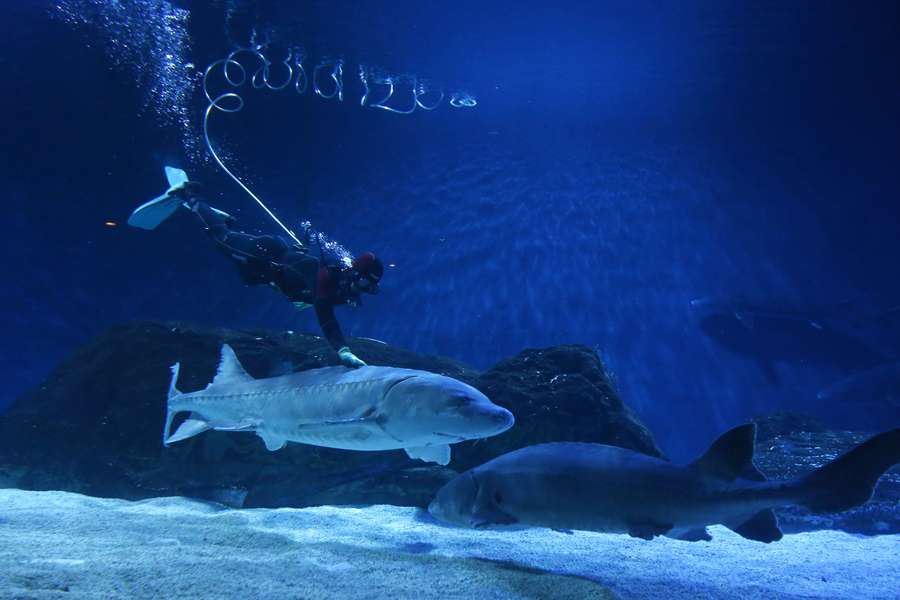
x: 349, y: 359
x: 301, y: 305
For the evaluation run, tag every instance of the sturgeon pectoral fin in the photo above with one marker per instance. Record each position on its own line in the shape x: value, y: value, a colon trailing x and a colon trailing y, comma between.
x: 273, y: 442
x: 490, y: 514
x: 189, y: 428
x: 436, y: 454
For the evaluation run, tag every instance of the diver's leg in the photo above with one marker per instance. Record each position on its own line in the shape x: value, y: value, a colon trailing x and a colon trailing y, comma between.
x: 233, y: 244
x: 297, y: 275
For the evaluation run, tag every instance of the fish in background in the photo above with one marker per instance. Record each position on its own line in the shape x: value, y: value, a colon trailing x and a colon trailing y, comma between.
x: 874, y: 385
x: 777, y: 340
x: 368, y: 408
x: 594, y: 487
x: 748, y: 308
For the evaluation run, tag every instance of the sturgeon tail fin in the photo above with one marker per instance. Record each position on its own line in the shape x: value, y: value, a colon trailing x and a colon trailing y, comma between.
x: 190, y: 427
x: 173, y: 391
x: 193, y: 425
x: 170, y: 413
x: 849, y: 480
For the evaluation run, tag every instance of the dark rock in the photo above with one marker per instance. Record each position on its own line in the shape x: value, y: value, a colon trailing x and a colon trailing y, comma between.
x: 558, y: 394
x: 784, y: 423
x: 95, y: 426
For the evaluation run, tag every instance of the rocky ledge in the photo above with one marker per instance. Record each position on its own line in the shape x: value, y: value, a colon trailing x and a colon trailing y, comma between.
x: 95, y: 426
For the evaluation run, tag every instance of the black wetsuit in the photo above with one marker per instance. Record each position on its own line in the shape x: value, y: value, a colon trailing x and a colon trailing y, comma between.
x: 286, y: 267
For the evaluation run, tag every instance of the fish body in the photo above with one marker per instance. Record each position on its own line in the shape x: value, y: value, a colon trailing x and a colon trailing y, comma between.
x: 748, y: 308
x: 594, y: 487
x: 772, y: 341
x: 873, y: 385
x: 369, y: 408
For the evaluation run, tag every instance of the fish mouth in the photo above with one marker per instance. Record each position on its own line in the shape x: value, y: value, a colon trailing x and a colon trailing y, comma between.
x: 504, y: 420
x: 498, y: 420
x: 451, y: 439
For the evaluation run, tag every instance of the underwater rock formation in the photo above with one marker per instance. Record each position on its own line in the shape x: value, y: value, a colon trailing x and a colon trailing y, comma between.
x: 96, y: 425
x: 771, y: 426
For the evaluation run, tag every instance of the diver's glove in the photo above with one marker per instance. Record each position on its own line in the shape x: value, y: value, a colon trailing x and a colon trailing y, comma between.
x: 302, y: 306
x: 349, y: 359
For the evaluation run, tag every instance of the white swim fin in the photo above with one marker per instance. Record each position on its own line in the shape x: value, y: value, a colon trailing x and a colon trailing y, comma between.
x: 176, y: 177
x: 150, y: 214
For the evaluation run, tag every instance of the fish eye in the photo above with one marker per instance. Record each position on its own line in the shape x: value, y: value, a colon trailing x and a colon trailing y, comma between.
x: 458, y: 401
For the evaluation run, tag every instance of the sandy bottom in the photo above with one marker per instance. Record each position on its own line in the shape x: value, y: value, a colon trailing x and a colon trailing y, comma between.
x: 61, y: 545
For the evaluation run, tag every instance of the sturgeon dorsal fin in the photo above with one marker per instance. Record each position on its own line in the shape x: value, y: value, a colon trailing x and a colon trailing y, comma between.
x: 731, y: 455
x: 230, y: 370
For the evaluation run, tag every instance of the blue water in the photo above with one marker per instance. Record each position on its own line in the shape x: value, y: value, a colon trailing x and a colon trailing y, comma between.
x: 621, y: 160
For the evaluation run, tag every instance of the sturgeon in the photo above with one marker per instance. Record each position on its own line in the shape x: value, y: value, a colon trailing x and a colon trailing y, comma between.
x: 601, y: 488
x: 369, y: 408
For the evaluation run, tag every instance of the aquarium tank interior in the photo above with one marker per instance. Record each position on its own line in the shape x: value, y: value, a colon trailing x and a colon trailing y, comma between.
x: 383, y: 299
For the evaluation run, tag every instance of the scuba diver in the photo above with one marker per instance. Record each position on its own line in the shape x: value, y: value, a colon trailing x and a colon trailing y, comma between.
x: 286, y: 267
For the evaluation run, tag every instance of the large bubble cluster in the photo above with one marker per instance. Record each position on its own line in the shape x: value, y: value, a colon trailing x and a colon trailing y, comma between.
x: 150, y: 39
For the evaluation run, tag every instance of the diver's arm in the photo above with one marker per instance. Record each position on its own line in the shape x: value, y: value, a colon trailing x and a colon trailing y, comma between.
x: 332, y: 331
x: 324, y: 307
x: 329, y: 324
